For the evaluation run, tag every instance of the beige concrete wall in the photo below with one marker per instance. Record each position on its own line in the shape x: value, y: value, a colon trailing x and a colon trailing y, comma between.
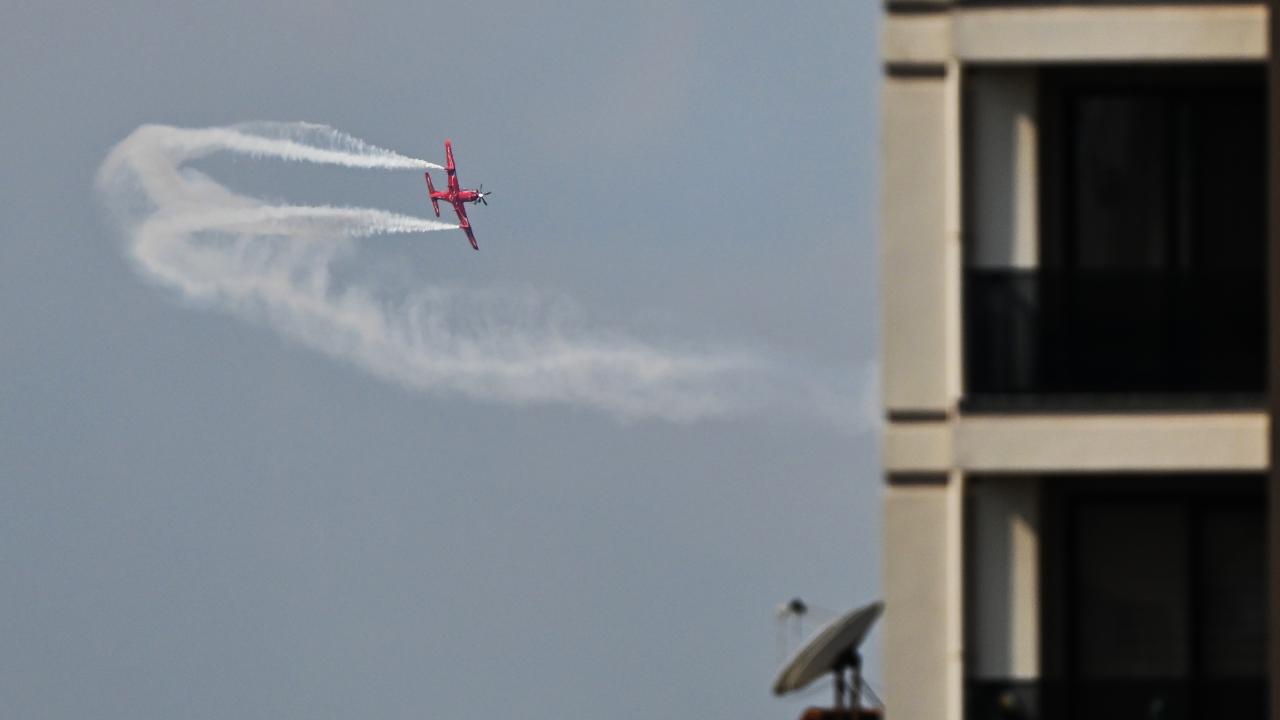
x: 913, y: 277
x: 1003, y: 578
x: 916, y: 39
x: 916, y: 594
x: 916, y: 447
x: 925, y: 542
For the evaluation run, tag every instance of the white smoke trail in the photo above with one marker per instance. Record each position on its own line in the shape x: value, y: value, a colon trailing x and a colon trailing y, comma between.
x: 304, y: 142
x: 274, y: 264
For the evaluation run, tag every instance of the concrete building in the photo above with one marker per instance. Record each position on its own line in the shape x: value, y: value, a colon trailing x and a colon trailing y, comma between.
x: 1074, y: 247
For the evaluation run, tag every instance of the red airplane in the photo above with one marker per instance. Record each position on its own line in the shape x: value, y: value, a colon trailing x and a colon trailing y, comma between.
x: 456, y: 195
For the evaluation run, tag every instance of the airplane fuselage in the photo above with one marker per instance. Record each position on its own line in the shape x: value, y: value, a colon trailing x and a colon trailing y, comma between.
x: 449, y: 196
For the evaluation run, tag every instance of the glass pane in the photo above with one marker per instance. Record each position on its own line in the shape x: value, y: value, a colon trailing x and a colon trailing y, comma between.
x: 1224, y: 200
x: 1133, y: 599
x: 1232, y: 587
x: 1120, y: 187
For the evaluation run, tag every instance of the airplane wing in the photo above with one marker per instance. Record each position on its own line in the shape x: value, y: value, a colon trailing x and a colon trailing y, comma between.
x: 465, y: 224
x: 450, y: 167
x: 431, y: 194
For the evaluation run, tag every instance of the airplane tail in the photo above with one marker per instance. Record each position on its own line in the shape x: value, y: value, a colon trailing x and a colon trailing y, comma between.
x: 431, y: 189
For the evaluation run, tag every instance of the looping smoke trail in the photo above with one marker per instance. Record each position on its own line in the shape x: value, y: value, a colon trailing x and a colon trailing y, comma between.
x: 273, y: 264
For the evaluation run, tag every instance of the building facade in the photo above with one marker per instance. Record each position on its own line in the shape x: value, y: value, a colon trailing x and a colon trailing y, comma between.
x: 1075, y: 375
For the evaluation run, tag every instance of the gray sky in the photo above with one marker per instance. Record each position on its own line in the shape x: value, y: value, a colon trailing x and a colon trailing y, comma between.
x: 200, y: 518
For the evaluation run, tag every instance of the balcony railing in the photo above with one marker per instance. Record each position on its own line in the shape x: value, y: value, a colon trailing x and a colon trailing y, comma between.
x: 1121, y: 699
x: 1036, y: 337
x: 1105, y: 2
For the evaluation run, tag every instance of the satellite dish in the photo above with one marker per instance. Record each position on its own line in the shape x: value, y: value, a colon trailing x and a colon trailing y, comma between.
x: 832, y: 649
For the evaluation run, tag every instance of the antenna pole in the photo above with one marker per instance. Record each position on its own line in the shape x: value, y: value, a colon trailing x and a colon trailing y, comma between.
x: 839, y: 688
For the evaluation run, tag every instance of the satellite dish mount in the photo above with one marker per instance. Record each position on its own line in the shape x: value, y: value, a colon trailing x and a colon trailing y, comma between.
x: 851, y: 661
x: 834, y: 649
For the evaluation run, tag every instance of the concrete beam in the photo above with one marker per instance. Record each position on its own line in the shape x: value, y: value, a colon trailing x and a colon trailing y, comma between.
x: 1112, y: 443
x: 1110, y: 34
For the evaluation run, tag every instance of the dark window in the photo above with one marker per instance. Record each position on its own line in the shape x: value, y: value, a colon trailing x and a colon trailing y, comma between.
x: 1153, y: 594
x: 1160, y: 604
x: 1151, y: 282
x: 1132, y: 575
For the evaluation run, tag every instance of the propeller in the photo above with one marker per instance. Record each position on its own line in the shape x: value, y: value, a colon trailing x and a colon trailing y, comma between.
x: 480, y: 194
